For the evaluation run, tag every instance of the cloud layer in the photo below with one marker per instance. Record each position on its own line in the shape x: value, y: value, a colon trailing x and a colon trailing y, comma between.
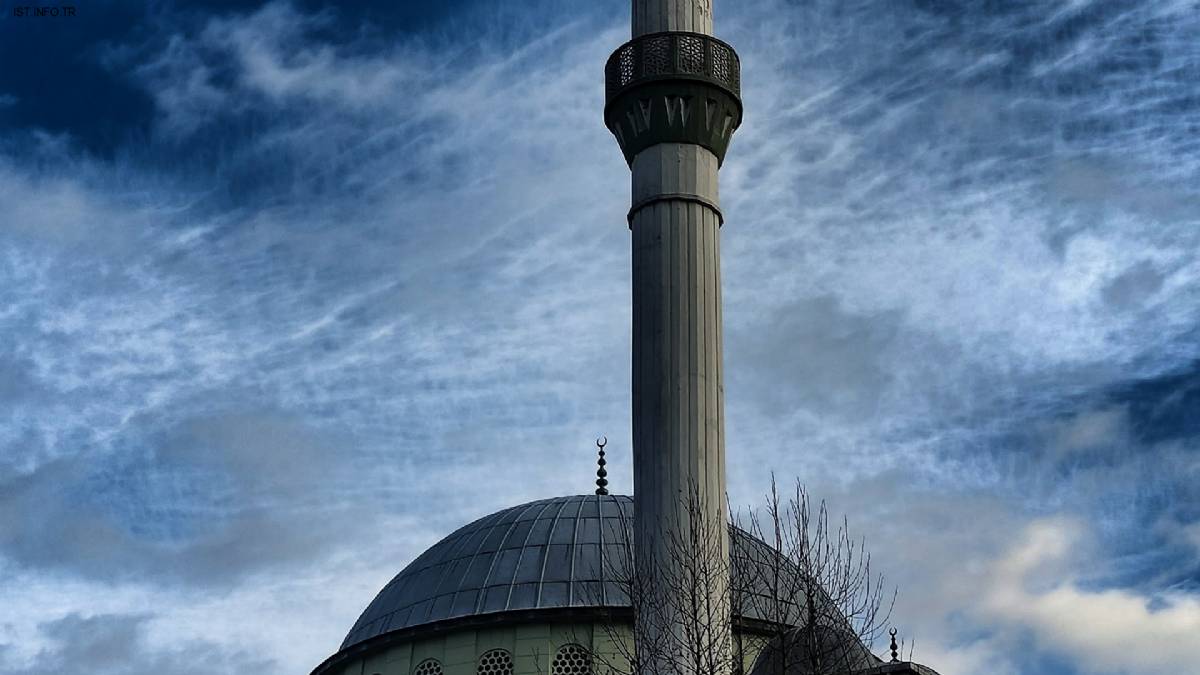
x: 346, y: 285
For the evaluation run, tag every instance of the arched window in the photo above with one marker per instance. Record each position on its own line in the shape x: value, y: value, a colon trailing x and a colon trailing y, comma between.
x: 495, y: 662
x: 428, y: 667
x: 572, y: 659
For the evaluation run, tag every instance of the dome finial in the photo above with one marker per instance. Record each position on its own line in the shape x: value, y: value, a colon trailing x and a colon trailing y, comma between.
x: 601, y: 474
x: 894, y: 647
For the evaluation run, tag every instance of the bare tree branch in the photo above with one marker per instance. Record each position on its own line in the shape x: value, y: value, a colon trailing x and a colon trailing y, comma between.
x: 799, y: 590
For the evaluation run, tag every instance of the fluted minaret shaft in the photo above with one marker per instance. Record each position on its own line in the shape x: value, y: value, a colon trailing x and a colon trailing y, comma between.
x: 678, y: 395
x: 673, y: 105
x: 656, y: 16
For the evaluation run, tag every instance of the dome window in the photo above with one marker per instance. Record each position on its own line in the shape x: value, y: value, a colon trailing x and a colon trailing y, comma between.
x: 495, y: 662
x: 428, y: 667
x: 572, y: 659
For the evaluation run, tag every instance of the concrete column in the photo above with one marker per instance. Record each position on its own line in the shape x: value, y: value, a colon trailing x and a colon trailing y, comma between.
x: 678, y: 391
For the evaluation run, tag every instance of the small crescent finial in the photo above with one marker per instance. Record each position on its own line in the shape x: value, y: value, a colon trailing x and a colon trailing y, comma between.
x: 894, y: 647
x: 601, y: 474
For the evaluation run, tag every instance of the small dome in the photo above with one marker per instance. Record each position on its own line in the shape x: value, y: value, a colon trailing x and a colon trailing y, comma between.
x: 837, y: 648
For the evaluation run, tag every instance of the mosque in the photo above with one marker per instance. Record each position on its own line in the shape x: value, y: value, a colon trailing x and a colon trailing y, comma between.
x: 543, y: 588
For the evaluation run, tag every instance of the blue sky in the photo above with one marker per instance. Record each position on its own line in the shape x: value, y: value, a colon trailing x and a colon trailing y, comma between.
x: 288, y: 291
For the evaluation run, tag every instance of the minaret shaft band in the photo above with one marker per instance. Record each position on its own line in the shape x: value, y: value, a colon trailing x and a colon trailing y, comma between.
x: 675, y: 197
x: 680, y: 172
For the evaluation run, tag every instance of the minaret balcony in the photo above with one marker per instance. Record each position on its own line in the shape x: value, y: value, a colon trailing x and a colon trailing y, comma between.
x: 673, y: 87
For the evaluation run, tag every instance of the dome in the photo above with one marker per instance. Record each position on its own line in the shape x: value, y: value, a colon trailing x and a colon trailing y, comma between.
x: 549, y: 553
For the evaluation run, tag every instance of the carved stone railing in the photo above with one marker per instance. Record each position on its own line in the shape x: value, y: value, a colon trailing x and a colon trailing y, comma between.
x: 673, y: 88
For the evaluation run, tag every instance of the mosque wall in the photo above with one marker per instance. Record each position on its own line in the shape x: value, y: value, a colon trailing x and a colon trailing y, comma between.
x: 532, y: 648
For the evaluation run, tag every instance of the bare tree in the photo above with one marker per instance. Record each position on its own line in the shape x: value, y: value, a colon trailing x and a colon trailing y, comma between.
x: 800, y: 593
x: 679, y: 586
x: 684, y: 602
x: 810, y: 585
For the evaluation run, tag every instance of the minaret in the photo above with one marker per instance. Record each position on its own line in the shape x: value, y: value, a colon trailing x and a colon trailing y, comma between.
x: 673, y: 102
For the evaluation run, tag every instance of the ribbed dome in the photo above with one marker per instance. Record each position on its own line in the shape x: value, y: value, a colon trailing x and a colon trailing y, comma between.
x: 550, y: 553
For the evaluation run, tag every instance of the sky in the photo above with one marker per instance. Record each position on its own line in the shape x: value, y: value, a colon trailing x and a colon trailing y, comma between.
x: 289, y: 291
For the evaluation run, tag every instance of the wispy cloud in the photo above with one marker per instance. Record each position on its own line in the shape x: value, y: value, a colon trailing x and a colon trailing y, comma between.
x: 342, y: 282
